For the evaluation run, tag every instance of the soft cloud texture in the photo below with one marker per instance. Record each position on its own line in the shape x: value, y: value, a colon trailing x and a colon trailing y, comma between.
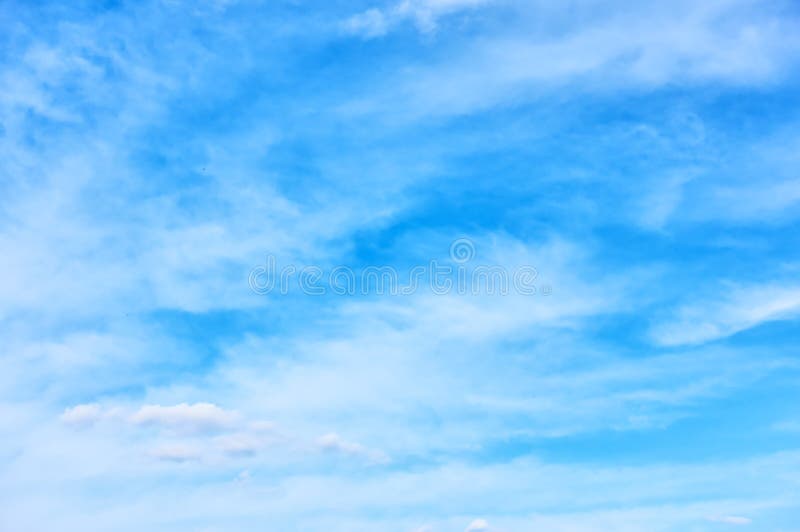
x: 737, y: 309
x: 642, y: 157
x: 198, y: 417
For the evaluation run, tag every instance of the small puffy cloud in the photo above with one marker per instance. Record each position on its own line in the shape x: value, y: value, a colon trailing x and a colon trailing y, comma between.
x: 334, y: 443
x: 82, y: 415
x: 217, y: 429
x: 198, y: 417
x: 478, y: 525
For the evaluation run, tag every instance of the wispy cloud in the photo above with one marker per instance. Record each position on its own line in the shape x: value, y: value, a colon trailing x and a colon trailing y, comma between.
x: 199, y: 417
x: 731, y: 520
x: 376, y: 22
x: 615, y: 48
x: 642, y: 157
x: 735, y: 309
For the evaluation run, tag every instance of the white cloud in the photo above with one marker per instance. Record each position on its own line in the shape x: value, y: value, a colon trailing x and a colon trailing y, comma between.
x: 332, y: 442
x: 208, y: 430
x: 600, y: 50
x: 610, y: 497
x: 376, y: 22
x: 198, y: 417
x: 430, y: 377
x: 731, y: 520
x: 737, y: 309
x: 82, y: 415
x: 403, y: 358
x: 478, y: 525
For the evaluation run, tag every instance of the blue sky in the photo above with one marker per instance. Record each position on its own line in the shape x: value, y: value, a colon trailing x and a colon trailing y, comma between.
x: 643, y: 157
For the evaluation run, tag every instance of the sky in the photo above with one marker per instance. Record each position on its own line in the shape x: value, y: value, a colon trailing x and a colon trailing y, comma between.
x: 631, y: 168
